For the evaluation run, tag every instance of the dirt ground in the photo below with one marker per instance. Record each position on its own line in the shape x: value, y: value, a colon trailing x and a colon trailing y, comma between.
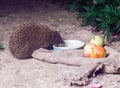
x: 32, y: 73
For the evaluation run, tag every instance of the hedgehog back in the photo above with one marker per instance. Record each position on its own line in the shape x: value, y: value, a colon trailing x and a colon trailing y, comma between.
x: 30, y: 37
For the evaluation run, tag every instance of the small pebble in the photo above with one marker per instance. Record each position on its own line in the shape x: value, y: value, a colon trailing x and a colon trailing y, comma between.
x: 96, y: 86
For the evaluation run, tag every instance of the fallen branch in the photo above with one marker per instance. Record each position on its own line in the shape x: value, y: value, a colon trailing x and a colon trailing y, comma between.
x: 89, y: 67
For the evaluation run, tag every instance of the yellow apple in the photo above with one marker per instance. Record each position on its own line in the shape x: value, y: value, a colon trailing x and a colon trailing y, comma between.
x: 97, y: 40
x: 98, y: 52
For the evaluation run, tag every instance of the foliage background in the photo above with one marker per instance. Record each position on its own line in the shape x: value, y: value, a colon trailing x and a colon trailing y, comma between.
x: 102, y: 15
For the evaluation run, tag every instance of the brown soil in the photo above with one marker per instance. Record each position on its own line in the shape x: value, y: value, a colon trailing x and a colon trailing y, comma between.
x: 31, y: 73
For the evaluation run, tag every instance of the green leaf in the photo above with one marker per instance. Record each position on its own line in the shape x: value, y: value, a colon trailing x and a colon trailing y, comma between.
x: 1, y: 46
x: 98, y: 19
x: 73, y: 5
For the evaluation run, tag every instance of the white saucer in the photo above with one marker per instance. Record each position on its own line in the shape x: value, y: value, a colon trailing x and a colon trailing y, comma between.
x: 70, y: 44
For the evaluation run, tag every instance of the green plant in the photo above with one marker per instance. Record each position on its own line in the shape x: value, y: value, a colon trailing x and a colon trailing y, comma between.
x: 1, y: 46
x: 73, y: 4
x: 104, y: 15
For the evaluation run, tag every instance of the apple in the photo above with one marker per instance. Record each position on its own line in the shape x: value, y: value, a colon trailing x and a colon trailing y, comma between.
x: 88, y: 48
x: 96, y: 86
x: 98, y: 52
x: 97, y: 40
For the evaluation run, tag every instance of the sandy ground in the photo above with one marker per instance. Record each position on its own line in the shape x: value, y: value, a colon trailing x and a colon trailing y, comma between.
x: 32, y: 73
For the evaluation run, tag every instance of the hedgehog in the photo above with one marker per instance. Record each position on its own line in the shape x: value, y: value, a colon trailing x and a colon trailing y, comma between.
x: 29, y: 37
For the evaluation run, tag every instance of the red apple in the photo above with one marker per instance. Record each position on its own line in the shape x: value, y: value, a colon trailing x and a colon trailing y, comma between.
x: 88, y: 48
